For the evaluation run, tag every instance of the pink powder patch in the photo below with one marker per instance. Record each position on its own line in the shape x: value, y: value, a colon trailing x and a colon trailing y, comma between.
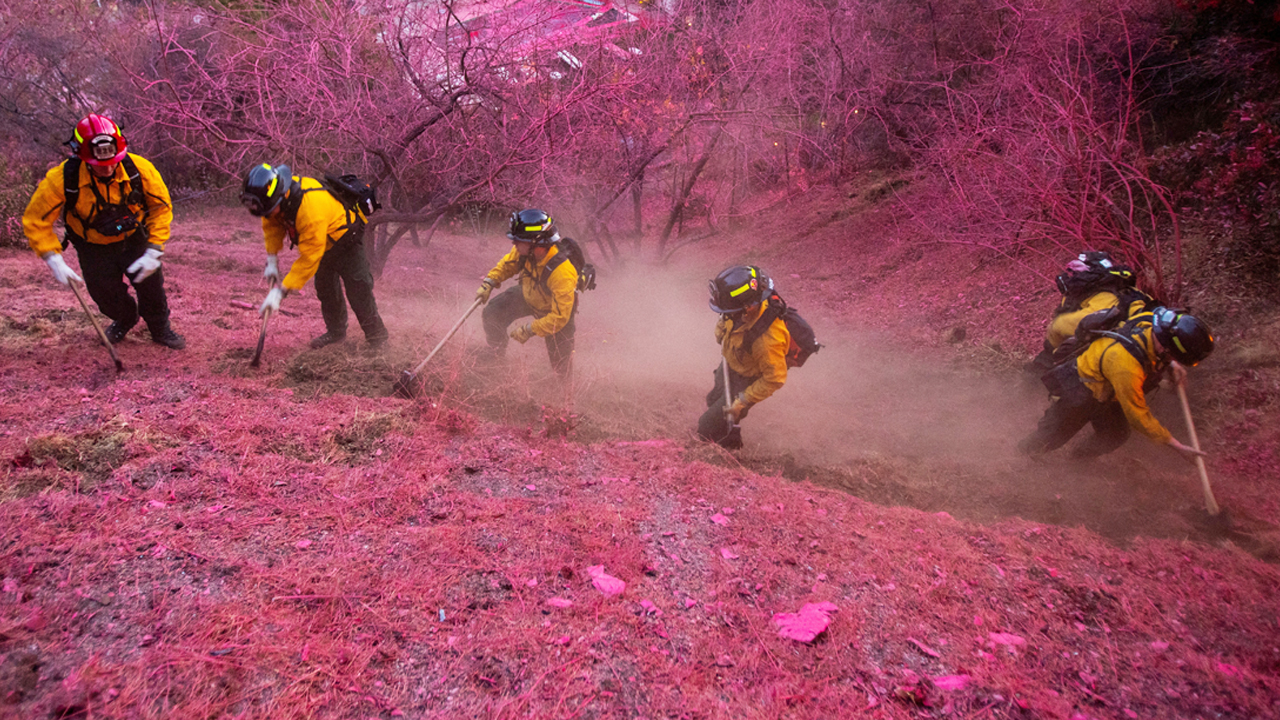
x: 1159, y: 646
x: 562, y: 640
x: 807, y: 624
x: 302, y: 544
x: 530, y: 487
x: 1007, y: 639
x: 719, y: 519
x: 689, y: 602
x: 728, y: 554
x: 649, y: 607
x: 604, y: 582
x: 1227, y: 669
x: 951, y: 682
x: 559, y: 602
x: 157, y: 504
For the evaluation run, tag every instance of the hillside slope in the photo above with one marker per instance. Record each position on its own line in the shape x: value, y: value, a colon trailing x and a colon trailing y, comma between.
x: 195, y: 538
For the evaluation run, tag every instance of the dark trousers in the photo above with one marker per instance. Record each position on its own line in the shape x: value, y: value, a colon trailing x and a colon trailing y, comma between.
x: 713, y: 425
x: 104, y: 267
x: 508, y: 306
x: 1069, y: 412
x: 345, y: 265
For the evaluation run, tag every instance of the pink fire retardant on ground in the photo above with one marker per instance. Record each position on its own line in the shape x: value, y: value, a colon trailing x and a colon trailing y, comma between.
x: 605, y: 583
x: 807, y: 624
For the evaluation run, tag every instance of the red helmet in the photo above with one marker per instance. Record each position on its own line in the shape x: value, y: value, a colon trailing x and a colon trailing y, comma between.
x: 98, y: 141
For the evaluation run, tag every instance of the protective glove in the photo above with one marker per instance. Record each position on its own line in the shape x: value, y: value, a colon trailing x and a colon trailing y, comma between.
x: 483, y: 293
x: 739, y: 406
x: 61, y: 272
x: 145, y: 265
x: 522, y: 333
x: 272, y: 271
x: 272, y: 303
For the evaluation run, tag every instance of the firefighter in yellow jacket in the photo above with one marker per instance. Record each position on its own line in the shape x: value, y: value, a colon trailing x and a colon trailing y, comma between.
x: 117, y: 213
x: 330, y: 241
x: 756, y: 357
x: 1092, y: 282
x: 547, y: 290
x: 1106, y: 386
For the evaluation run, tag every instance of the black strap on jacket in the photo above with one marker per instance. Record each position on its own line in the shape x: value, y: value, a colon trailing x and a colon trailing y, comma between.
x: 775, y: 310
x: 71, y: 195
x: 71, y: 187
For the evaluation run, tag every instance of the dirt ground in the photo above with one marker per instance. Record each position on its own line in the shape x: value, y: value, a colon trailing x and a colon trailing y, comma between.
x: 196, y: 538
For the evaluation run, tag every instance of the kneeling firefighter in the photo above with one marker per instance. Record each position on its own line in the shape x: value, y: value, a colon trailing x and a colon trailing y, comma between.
x: 548, y: 290
x: 1107, y: 383
x: 754, y: 344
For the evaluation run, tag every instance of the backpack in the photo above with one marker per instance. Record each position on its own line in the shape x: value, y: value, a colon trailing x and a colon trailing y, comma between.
x: 1102, y: 275
x: 1110, y: 323
x: 803, y: 341
x: 571, y: 251
x: 353, y: 192
x: 358, y: 198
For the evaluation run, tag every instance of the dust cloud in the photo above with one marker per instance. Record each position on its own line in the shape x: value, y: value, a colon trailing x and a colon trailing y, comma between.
x: 871, y: 413
x: 650, y: 336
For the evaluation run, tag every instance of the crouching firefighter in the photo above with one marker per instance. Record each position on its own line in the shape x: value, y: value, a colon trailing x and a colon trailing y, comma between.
x: 330, y: 240
x: 548, y: 290
x: 1092, y: 282
x: 760, y: 337
x: 116, y: 211
x: 1107, y: 382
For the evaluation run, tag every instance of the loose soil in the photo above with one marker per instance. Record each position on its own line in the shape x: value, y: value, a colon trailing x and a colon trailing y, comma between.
x: 197, y: 538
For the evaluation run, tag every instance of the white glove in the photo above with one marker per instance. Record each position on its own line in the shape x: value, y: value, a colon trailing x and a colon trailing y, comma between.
x: 272, y: 271
x: 61, y: 272
x: 272, y: 303
x: 145, y: 265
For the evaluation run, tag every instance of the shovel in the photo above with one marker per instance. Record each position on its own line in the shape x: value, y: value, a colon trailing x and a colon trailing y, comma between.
x: 262, y: 335
x: 1209, y: 502
x: 110, y: 348
x: 407, y: 385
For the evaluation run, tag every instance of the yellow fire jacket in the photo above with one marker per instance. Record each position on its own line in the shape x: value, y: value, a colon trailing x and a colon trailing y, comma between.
x: 46, y: 204
x: 1110, y: 371
x: 765, y: 360
x: 552, y: 301
x: 321, y: 222
x: 1064, y: 326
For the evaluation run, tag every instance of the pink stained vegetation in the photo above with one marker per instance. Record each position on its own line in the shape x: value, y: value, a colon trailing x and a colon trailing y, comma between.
x: 810, y: 622
x: 249, y: 464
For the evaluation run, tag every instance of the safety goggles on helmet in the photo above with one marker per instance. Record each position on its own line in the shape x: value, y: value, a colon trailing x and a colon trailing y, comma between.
x: 103, y: 148
x: 1184, y: 336
x: 265, y: 187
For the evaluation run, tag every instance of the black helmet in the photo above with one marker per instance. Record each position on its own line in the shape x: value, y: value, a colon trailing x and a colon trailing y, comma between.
x: 265, y: 187
x: 533, y: 226
x: 1186, y: 337
x: 738, y: 288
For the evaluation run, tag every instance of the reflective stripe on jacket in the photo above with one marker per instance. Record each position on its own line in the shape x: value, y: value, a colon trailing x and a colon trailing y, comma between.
x: 46, y: 204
